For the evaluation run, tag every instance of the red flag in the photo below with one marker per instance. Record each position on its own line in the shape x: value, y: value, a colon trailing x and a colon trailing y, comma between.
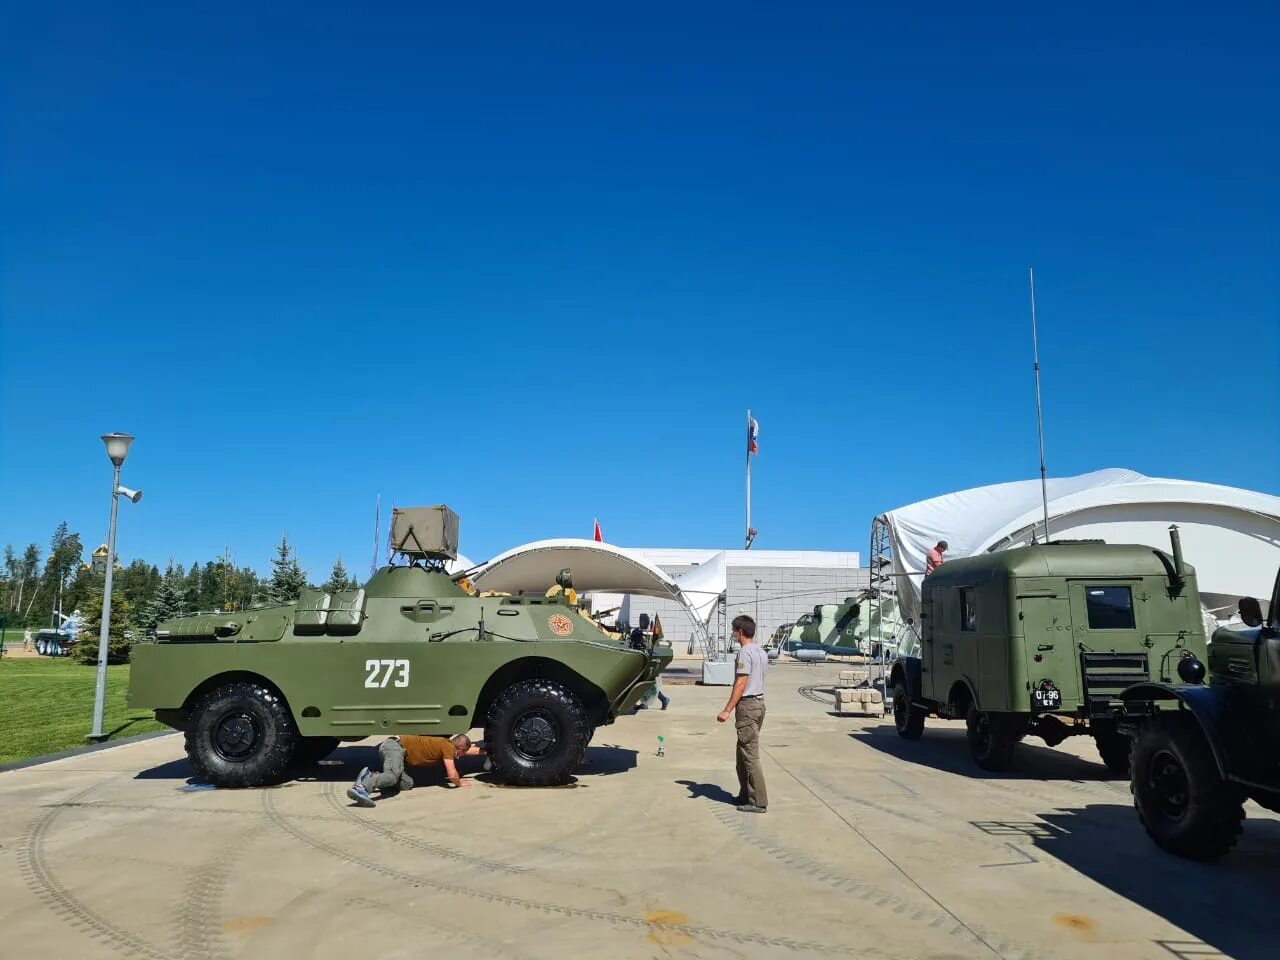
x: 598, y: 537
x: 753, y: 431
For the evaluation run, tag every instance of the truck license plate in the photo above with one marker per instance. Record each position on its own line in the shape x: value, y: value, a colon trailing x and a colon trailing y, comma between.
x: 1048, y: 698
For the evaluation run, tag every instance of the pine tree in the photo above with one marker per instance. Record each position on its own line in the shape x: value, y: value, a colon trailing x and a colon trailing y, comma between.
x: 118, y: 645
x: 287, y: 576
x: 338, y: 579
x: 166, y: 602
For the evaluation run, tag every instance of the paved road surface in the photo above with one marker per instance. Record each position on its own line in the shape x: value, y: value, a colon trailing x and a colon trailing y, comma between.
x: 872, y: 847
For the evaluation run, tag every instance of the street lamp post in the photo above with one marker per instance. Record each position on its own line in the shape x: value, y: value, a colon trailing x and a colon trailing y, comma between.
x: 117, y: 450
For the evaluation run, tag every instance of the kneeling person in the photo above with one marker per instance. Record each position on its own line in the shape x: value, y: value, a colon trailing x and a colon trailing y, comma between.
x: 410, y: 751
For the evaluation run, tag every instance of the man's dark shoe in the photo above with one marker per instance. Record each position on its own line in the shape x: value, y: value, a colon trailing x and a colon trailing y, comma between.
x: 740, y: 799
x: 751, y: 808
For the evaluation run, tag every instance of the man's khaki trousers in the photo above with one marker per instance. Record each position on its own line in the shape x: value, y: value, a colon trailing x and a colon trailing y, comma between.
x: 749, y: 718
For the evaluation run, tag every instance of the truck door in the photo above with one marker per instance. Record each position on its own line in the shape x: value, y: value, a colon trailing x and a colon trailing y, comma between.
x: 1049, y: 653
x: 940, y: 661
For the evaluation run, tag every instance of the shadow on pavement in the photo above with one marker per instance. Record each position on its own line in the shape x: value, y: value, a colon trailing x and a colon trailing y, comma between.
x: 1223, y: 904
x: 948, y: 751
x: 707, y: 791
x: 344, y: 763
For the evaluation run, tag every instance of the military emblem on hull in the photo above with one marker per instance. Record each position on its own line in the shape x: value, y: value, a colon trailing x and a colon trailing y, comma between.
x: 560, y: 625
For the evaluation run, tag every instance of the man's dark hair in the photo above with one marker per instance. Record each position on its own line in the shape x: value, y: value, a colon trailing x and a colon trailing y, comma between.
x: 941, y: 545
x: 745, y: 624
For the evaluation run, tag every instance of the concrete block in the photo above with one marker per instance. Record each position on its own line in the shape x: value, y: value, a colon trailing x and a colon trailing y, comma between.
x: 848, y: 676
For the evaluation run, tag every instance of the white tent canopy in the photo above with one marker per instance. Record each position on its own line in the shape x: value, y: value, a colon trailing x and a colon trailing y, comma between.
x: 1231, y: 536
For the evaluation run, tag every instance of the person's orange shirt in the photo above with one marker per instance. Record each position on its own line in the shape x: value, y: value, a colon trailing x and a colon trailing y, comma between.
x: 934, y: 559
x: 426, y: 751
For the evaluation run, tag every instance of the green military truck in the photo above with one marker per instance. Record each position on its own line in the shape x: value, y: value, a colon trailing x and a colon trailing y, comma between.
x: 416, y: 651
x: 1201, y: 750
x: 1043, y: 640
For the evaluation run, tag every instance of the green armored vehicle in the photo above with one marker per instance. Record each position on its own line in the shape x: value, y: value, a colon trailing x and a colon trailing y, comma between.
x: 415, y: 651
x: 1201, y: 750
x: 1043, y: 640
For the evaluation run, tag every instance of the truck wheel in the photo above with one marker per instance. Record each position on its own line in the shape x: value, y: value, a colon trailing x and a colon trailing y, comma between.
x: 907, y: 717
x: 1113, y: 747
x: 1182, y: 801
x: 537, y: 732
x: 991, y: 739
x: 311, y: 750
x: 241, y: 734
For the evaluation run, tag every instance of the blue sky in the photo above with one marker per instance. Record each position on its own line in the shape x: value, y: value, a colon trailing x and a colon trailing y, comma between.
x: 536, y: 262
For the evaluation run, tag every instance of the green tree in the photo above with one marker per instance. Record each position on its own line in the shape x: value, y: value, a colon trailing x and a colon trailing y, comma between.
x: 287, y: 576
x: 167, y: 601
x: 118, y: 645
x: 28, y: 571
x: 338, y: 579
x: 65, y: 552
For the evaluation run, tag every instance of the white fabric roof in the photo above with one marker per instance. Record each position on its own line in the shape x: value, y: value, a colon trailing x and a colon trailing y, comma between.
x: 1231, y: 536
x: 595, y: 565
x: 603, y: 568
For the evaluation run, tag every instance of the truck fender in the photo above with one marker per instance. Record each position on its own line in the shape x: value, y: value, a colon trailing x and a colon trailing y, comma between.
x: 1209, y: 709
x: 906, y: 669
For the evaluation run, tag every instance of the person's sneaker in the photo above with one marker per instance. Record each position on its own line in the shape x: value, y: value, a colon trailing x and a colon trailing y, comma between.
x: 751, y: 808
x: 363, y: 777
x: 664, y: 704
x: 739, y: 800
x: 360, y: 795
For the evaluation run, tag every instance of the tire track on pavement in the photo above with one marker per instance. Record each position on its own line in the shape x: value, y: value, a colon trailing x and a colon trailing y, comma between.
x: 348, y: 815
x: 42, y: 880
x: 710, y: 934
x: 200, y: 921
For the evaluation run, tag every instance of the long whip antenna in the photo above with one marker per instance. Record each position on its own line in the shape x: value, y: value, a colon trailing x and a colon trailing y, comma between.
x: 1035, y: 353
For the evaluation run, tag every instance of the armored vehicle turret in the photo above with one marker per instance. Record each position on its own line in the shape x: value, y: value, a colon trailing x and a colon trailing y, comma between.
x: 1201, y: 750
x: 1043, y: 640
x: 260, y: 691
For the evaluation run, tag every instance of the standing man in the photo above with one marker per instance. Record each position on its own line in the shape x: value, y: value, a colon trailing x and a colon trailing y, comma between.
x: 746, y: 704
x: 934, y: 558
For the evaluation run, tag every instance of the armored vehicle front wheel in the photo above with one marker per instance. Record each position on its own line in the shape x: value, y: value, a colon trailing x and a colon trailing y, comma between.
x: 992, y: 737
x: 241, y: 734
x: 1113, y: 747
x: 537, y: 731
x: 1182, y: 801
x: 311, y: 750
x: 907, y: 717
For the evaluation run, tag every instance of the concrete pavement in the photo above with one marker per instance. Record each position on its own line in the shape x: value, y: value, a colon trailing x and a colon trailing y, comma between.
x: 872, y: 847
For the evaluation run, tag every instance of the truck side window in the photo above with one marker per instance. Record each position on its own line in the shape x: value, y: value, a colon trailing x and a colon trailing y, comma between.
x: 1109, y: 608
x: 968, y: 609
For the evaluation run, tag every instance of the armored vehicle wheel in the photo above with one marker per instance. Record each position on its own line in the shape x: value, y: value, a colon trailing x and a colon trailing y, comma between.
x: 537, y: 732
x: 241, y: 734
x: 1181, y: 799
x: 907, y: 717
x: 311, y: 750
x: 1113, y: 747
x: 992, y: 738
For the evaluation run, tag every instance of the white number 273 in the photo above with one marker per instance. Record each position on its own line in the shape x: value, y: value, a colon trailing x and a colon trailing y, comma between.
x: 386, y: 667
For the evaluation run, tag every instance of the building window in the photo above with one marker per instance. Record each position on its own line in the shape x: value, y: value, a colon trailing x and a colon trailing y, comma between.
x: 1109, y: 608
x: 968, y: 609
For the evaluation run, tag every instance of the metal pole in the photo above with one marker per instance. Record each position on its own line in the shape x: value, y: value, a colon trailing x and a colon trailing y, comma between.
x: 100, y: 693
x: 747, y: 534
x: 1035, y: 352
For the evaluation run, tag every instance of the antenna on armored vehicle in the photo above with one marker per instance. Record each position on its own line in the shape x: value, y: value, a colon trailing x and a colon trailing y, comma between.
x: 1035, y: 354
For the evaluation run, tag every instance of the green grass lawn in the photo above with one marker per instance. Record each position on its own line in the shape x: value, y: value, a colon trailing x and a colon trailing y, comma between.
x: 46, y: 705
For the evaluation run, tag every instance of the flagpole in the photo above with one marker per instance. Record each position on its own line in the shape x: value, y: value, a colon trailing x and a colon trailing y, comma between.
x: 747, y: 534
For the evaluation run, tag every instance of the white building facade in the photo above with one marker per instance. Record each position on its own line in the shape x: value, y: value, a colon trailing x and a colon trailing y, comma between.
x: 772, y: 586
